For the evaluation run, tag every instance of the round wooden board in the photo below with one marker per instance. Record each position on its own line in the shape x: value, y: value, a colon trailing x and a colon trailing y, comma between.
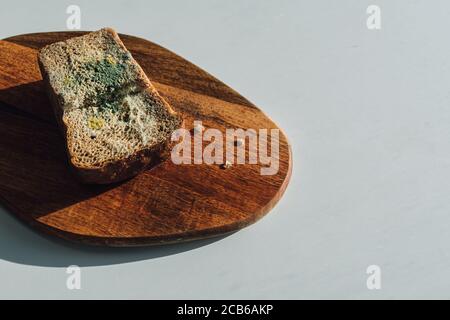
x: 169, y: 203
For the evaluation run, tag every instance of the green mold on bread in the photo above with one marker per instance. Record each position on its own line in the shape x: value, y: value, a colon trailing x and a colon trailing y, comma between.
x: 114, y: 121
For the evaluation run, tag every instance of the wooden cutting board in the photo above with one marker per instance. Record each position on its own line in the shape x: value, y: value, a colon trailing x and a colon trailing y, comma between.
x: 169, y: 203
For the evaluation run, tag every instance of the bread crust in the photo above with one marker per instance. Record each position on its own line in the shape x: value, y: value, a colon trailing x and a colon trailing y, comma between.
x: 119, y: 170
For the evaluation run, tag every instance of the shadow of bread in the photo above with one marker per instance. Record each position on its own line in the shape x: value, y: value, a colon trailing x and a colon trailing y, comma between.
x: 35, y: 176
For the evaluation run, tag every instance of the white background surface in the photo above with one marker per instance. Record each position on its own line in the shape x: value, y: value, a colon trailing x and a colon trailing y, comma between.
x: 367, y: 113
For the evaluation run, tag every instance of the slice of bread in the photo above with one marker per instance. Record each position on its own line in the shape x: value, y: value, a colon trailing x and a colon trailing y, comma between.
x: 114, y: 121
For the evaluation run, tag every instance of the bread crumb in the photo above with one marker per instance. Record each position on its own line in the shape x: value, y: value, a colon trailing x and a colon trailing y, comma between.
x: 225, y: 165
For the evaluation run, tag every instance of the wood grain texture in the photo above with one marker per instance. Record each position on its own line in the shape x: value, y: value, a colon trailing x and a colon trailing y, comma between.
x: 169, y: 203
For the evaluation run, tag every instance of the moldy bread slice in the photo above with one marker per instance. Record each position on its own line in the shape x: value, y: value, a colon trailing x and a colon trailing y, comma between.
x: 114, y: 121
